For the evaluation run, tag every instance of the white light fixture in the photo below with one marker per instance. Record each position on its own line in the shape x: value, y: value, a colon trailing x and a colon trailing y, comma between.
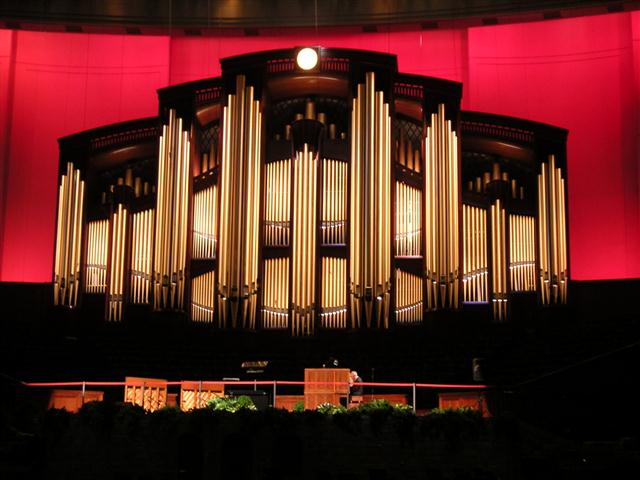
x: 307, y: 58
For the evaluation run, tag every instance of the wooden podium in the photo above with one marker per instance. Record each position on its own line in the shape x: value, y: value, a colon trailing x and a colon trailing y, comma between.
x: 325, y: 385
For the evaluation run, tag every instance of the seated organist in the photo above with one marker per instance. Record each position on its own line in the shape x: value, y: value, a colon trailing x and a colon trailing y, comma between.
x: 355, y: 384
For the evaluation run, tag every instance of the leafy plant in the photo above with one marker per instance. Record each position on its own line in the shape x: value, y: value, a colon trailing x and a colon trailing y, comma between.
x: 330, y: 409
x: 299, y: 406
x: 231, y: 404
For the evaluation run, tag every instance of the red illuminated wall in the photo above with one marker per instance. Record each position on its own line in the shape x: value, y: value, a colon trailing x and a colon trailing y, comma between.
x: 582, y: 74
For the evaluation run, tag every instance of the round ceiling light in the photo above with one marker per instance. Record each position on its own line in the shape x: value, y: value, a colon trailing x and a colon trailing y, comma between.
x: 307, y: 58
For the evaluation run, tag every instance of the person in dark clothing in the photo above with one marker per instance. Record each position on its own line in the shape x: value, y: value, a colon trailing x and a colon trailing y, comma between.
x: 355, y: 384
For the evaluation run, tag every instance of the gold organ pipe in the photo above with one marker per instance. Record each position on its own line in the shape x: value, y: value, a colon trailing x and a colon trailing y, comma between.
x: 238, y: 243
x: 409, y: 298
x: 552, y: 238
x: 69, y: 238
x: 204, y: 223
x: 276, y: 294
x: 334, y: 301
x: 97, y: 242
x: 370, y: 206
x: 203, y: 297
x: 441, y: 215
x: 498, y: 237
x: 475, y: 267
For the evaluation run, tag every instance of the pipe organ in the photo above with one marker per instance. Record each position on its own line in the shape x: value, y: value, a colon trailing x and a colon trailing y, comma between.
x: 203, y: 297
x: 204, y: 223
x: 475, y: 269
x: 275, y: 302
x: 441, y: 212
x: 97, y: 244
x: 409, y: 299
x: 305, y: 173
x: 171, y: 216
x: 141, y: 256
x: 276, y: 223
x: 552, y: 228
x: 348, y: 196
x: 334, y: 202
x: 522, y: 253
x: 408, y: 218
x: 66, y: 283
x: 239, y: 207
x: 370, y: 248
x: 334, y: 295
x: 117, y: 255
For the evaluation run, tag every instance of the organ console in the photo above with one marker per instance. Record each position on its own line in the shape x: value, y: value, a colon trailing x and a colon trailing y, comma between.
x: 349, y: 196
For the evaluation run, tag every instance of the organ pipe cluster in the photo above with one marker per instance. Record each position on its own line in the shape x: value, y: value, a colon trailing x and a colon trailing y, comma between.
x: 408, y: 219
x: 117, y: 255
x: 66, y: 283
x: 406, y: 155
x: 409, y: 298
x: 552, y: 231
x: 204, y: 223
x: 203, y: 297
x: 498, y: 261
x: 277, y: 207
x: 334, y: 293
x: 275, y: 299
x: 171, y: 216
x: 441, y: 213
x: 522, y: 253
x: 141, y: 255
x: 334, y: 202
x: 370, y: 242
x: 239, y: 207
x: 474, y: 254
x: 97, y: 246
x: 305, y: 180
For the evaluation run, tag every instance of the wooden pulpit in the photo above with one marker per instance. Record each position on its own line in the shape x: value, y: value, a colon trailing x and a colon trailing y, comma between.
x: 325, y: 385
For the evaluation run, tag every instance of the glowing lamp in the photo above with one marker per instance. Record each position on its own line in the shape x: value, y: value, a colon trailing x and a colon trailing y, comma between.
x: 307, y: 58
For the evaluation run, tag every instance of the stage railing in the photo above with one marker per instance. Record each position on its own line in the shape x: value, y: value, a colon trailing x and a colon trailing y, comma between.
x: 85, y: 388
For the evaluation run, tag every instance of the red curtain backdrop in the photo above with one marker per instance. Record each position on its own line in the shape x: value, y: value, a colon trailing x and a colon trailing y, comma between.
x: 582, y: 74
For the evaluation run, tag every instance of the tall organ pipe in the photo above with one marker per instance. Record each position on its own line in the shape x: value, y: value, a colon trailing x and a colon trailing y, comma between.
x: 370, y: 242
x: 305, y: 179
x: 552, y: 233
x: 172, y: 221
x: 66, y: 282
x: 441, y: 213
x: 239, y: 208
x: 117, y: 255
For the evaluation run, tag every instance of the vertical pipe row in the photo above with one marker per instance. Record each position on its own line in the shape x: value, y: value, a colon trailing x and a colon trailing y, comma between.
x: 239, y: 208
x: 552, y: 233
x: 66, y: 281
x: 115, y: 293
x: 141, y: 260
x: 408, y: 220
x: 333, y: 301
x: 409, y: 298
x: 275, y: 293
x: 441, y: 213
x: 277, y: 206
x: 204, y: 223
x: 172, y: 221
x: 97, y: 244
x: 498, y: 263
x: 370, y: 245
x: 474, y: 278
x: 305, y: 179
x: 334, y: 208
x: 522, y: 253
x: 203, y: 297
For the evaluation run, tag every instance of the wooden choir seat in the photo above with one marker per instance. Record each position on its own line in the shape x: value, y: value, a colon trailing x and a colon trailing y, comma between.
x: 197, y: 394
x: 356, y: 400
x: 72, y: 400
x: 149, y: 393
